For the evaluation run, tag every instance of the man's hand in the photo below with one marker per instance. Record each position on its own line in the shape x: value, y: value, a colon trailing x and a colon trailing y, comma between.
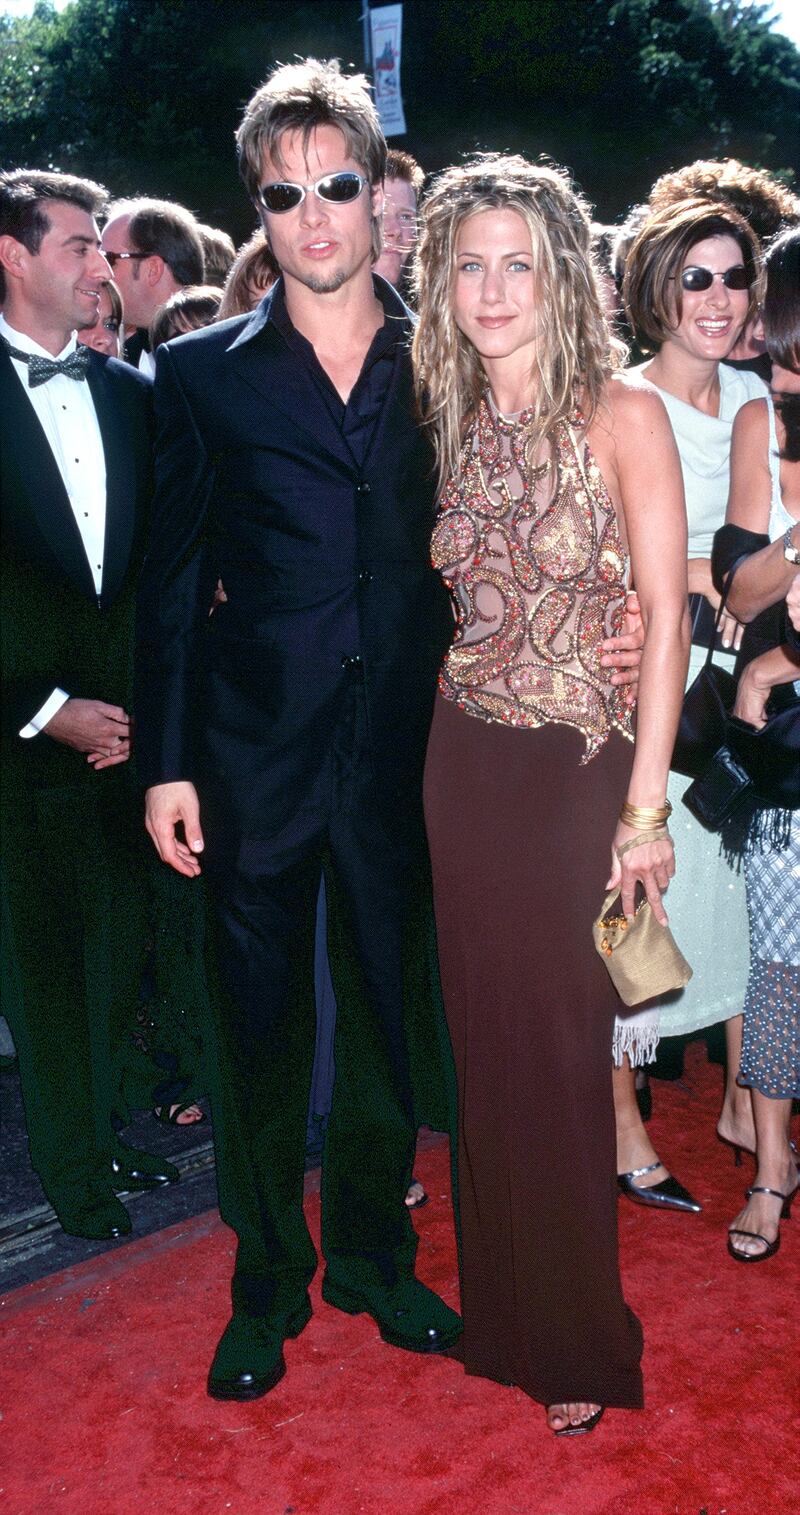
x: 102, y: 731
x: 168, y: 806
x: 623, y: 653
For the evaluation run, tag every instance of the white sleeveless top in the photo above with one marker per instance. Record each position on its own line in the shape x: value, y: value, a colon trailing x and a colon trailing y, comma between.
x: 779, y: 517
x: 704, y: 445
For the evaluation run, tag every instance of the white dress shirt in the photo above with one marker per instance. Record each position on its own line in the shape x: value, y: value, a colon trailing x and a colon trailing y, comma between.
x: 65, y: 409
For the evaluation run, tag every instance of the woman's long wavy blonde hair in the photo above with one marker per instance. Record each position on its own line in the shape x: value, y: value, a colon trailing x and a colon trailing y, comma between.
x: 574, y: 351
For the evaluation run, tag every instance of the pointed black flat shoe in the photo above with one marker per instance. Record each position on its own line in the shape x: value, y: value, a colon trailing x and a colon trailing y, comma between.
x: 668, y: 1195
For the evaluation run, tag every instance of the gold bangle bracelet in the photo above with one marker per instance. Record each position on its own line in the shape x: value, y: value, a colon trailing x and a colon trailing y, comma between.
x: 645, y: 817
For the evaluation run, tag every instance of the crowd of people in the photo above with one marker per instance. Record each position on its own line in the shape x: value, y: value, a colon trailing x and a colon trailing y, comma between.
x: 402, y: 606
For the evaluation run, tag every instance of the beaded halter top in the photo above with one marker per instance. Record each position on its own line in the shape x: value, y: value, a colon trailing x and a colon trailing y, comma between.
x: 532, y: 555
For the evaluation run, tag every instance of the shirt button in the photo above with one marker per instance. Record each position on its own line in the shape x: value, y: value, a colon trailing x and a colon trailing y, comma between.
x: 364, y: 488
x: 364, y: 577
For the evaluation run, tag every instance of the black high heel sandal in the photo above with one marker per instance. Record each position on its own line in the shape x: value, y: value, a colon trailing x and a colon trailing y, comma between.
x: 585, y: 1426
x: 737, y: 1150
x: 770, y: 1247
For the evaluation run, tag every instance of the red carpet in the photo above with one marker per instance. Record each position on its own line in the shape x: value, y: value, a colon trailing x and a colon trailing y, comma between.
x: 104, y: 1410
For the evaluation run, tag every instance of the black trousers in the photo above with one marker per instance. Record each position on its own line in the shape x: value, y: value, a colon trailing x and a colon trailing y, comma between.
x: 73, y: 872
x: 264, y: 889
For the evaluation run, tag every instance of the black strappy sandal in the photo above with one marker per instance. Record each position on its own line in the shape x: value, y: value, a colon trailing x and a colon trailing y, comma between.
x: 770, y: 1247
x: 169, y: 1114
x: 585, y: 1426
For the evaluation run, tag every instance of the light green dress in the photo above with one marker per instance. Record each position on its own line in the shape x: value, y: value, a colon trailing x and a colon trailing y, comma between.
x: 706, y: 899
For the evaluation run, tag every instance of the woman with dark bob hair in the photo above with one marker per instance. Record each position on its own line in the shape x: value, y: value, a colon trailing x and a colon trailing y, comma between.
x: 558, y: 475
x: 691, y: 284
x: 764, y: 521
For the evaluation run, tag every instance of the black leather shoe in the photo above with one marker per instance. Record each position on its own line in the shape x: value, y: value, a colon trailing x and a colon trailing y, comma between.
x: 668, y: 1195
x: 409, y: 1315
x: 249, y: 1359
x: 101, y: 1219
x: 140, y: 1171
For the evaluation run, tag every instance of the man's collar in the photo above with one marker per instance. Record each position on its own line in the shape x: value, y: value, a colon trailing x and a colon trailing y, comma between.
x: 272, y: 311
x: 25, y: 343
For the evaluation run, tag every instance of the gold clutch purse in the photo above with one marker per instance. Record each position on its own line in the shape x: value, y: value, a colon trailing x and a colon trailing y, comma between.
x: 641, y: 955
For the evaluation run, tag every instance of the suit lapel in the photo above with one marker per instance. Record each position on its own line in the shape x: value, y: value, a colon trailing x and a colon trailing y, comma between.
x: 39, y: 483
x: 261, y: 356
x: 120, y: 480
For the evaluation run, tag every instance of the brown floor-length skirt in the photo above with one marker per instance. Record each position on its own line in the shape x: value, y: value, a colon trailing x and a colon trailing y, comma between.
x: 520, y: 843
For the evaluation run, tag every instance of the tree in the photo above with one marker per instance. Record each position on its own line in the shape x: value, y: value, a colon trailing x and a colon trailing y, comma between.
x: 145, y: 95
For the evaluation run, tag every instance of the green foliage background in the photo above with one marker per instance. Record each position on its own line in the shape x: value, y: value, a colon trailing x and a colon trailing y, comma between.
x: 145, y: 95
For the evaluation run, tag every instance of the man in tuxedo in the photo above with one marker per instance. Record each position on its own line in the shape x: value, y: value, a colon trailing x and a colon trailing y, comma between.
x: 285, y: 733
x: 154, y: 248
x: 75, y: 430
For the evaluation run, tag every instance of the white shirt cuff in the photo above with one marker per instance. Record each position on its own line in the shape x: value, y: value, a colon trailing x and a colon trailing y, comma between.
x: 48, y: 710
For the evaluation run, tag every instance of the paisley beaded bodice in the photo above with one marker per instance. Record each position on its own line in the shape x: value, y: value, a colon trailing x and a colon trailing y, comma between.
x: 531, y: 552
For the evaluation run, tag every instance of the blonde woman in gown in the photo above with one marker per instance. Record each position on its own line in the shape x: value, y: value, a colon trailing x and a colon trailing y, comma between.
x: 556, y: 477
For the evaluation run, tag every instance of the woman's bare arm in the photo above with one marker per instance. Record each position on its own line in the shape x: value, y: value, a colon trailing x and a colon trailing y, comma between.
x: 650, y: 486
x: 765, y: 576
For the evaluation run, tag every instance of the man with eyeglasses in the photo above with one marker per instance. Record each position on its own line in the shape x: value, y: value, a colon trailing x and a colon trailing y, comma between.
x: 286, y: 732
x: 154, y: 248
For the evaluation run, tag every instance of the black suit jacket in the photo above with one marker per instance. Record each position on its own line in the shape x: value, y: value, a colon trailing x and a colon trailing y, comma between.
x: 54, y: 631
x: 322, y: 561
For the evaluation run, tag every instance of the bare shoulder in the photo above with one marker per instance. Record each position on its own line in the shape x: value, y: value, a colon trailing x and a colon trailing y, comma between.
x: 752, y: 422
x: 635, y: 403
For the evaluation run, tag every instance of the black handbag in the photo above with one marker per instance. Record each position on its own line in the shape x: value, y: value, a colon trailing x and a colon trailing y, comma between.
x: 726, y: 755
x: 770, y: 756
x: 720, y: 792
x: 706, y: 703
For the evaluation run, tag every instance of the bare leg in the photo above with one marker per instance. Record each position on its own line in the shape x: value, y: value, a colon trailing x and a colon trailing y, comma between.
x: 634, y: 1147
x: 776, y: 1170
x: 735, y: 1122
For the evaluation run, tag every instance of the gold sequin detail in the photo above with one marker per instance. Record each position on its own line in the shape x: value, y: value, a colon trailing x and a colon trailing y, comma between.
x: 531, y: 552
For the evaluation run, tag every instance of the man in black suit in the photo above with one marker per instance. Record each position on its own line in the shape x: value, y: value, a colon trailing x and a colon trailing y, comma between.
x: 294, y: 719
x: 75, y: 430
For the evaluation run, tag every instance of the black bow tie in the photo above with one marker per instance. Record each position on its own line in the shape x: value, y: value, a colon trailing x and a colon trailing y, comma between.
x: 42, y: 369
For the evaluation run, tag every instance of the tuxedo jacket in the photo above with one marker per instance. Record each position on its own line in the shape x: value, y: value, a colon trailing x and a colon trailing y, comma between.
x: 55, y: 631
x: 323, y: 560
